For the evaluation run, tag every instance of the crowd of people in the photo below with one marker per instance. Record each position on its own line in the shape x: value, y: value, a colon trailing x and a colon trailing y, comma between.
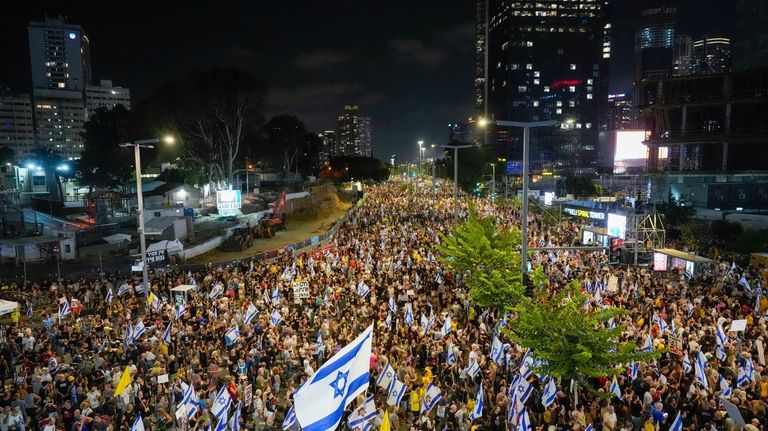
x: 98, y: 354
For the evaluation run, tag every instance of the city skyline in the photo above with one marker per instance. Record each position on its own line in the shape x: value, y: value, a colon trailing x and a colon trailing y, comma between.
x: 347, y: 54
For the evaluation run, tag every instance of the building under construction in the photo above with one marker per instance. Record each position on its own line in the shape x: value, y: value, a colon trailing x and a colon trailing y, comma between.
x: 708, y: 139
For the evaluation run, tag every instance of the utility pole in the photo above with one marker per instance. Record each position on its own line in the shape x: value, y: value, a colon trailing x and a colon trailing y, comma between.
x: 456, y: 149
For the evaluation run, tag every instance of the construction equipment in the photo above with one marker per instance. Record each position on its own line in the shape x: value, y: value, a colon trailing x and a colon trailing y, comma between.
x: 240, y: 240
x: 277, y: 219
x: 263, y: 229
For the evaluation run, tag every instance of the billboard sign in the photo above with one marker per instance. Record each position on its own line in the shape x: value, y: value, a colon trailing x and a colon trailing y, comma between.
x: 659, y: 262
x: 617, y: 226
x: 228, y: 202
x: 514, y: 167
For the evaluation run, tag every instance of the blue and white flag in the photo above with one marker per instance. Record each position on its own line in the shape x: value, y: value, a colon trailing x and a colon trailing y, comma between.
x: 138, y: 424
x: 290, y: 419
x: 29, y: 310
x: 362, y: 289
x: 743, y: 282
x: 725, y: 388
x: 446, y: 329
x: 123, y: 289
x: 701, y: 374
x: 180, y: 309
x: 611, y: 323
x: 221, y: 425
x: 477, y: 411
x: 550, y: 393
x: 450, y: 356
x: 720, y: 352
x: 722, y: 338
x: 749, y: 369
x: 276, y: 295
x: 396, y: 392
x: 686, y: 364
x: 589, y: 428
x: 409, y: 315
x: 633, y: 370
x: 275, y: 317
x: 659, y: 321
x: 234, y: 423
x: 521, y: 391
x: 321, y: 400
x: 392, y: 304
x: 108, y: 298
x: 232, y: 336
x: 615, y: 389
x: 648, y: 345
x: 221, y: 404
x: 250, y: 313
x: 139, y: 289
x: 189, y: 400
x: 473, y: 368
x: 167, y: 334
x: 677, y: 424
x: 137, y: 331
x: 524, y: 422
x: 527, y: 364
x: 427, y: 322
x: 431, y: 397
x: 386, y: 377
x: 497, y: 351
x: 388, y: 321
x: 362, y: 413
x: 319, y: 343
x: 64, y: 310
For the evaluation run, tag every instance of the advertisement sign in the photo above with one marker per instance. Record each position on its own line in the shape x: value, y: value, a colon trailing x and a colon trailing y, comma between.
x: 514, y: 167
x: 659, y: 262
x: 584, y: 213
x: 617, y: 226
x: 228, y: 202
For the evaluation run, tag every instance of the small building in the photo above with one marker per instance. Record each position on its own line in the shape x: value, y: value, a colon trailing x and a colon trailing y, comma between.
x: 170, y: 194
x: 166, y: 228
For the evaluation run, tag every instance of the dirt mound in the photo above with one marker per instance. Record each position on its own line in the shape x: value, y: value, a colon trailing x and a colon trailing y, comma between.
x: 329, y: 204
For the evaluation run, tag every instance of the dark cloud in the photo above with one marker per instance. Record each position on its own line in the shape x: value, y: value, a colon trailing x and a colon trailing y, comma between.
x: 320, y: 60
x: 414, y: 50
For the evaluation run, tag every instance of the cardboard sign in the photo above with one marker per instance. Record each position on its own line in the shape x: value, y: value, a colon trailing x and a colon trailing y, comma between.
x: 760, y: 352
x: 738, y: 325
x: 248, y: 395
x: 162, y: 378
x: 676, y: 344
x: 300, y: 290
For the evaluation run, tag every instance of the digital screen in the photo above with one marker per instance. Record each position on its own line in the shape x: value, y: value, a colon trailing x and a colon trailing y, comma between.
x: 617, y: 226
x: 678, y: 263
x: 630, y: 151
x: 588, y: 237
x: 514, y: 167
x: 548, y: 198
x: 689, y: 268
x: 659, y: 262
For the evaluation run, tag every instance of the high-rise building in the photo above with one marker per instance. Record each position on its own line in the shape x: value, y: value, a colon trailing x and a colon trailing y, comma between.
x: 458, y: 132
x: 682, y: 55
x: 619, y: 112
x: 481, y: 58
x: 16, y: 123
x: 711, y: 55
x: 549, y: 61
x: 60, y: 55
x: 328, y: 148
x: 106, y: 96
x: 654, y: 45
x: 353, y: 133
x: 750, y: 38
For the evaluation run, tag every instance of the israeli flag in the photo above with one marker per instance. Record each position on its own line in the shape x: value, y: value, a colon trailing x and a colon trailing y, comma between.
x: 677, y: 424
x: 29, y: 310
x: 721, y: 337
x: 720, y: 353
x: 611, y: 323
x: 522, y: 391
x: 276, y: 295
x: 427, y: 322
x: 550, y: 393
x: 633, y: 370
x: 742, y: 378
x: 362, y: 413
x: 615, y: 389
x: 216, y: 291
x: 167, y: 334
x: 321, y: 400
x: 221, y: 404
x: 409, y: 315
x: 234, y: 423
x: 139, y: 289
x: 446, y: 327
x: 138, y: 424
x: 108, y: 298
x: 232, y: 336
x: 275, y: 317
x: 725, y: 388
x: 477, y: 412
x: 189, y: 400
x: 123, y: 289
x: 526, y: 364
x: 222, y: 424
x: 749, y: 368
x: 362, y: 289
x: 290, y: 419
x: 686, y: 364
x: 431, y: 397
x: 250, y: 313
x: 659, y: 321
x: 524, y: 422
x: 64, y: 310
x: 388, y: 321
x: 386, y: 377
x: 648, y: 345
x: 701, y: 375
x: 450, y: 356
x: 589, y: 428
x: 180, y: 310
x: 396, y: 392
x: 392, y: 304
x: 320, y: 345
x: 138, y: 330
x: 497, y: 351
x: 743, y: 281
x: 473, y: 368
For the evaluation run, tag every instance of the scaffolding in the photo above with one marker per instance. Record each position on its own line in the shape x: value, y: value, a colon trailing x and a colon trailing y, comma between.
x: 645, y: 232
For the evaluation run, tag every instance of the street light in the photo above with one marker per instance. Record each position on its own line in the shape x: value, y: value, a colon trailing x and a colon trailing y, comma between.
x: 456, y: 149
x: 493, y: 179
x: 526, y: 125
x: 421, y: 152
x: 143, y: 143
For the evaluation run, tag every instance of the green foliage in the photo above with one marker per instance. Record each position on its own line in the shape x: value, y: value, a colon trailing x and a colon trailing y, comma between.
x: 572, y: 343
x: 752, y: 241
x: 489, y: 256
x: 103, y: 163
x: 582, y: 187
x: 695, y: 233
x: 472, y: 164
x: 726, y: 231
x: 7, y: 155
x: 675, y: 213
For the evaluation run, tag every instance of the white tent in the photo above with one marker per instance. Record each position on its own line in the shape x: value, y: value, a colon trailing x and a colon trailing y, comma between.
x: 173, y: 248
x: 7, y: 306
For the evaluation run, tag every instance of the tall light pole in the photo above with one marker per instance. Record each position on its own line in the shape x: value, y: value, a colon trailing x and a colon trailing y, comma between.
x: 526, y: 126
x: 137, y: 145
x: 456, y: 149
x: 434, y: 187
x: 421, y: 151
x: 493, y: 179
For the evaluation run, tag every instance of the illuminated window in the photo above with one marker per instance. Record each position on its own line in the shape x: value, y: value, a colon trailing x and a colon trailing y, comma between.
x: 558, y: 111
x: 589, y: 125
x: 536, y: 74
x: 546, y: 88
x: 589, y: 96
x: 572, y: 88
x: 522, y: 88
x: 559, y: 103
x: 529, y: 66
x: 535, y: 82
x: 589, y: 81
x: 573, y: 66
x: 535, y: 103
x: 571, y: 104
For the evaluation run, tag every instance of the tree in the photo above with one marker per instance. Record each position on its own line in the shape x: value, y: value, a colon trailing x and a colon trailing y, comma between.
x: 582, y: 187
x: 472, y: 163
x: 286, y: 136
x: 212, y: 113
x: 571, y: 342
x: 490, y: 258
x: 751, y: 241
x: 695, y: 234
x: 103, y: 163
x: 675, y: 213
x: 7, y: 155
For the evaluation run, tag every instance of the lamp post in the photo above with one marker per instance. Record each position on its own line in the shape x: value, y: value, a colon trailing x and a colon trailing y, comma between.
x: 526, y: 126
x: 456, y: 149
x: 421, y: 152
x: 493, y: 179
x: 137, y: 145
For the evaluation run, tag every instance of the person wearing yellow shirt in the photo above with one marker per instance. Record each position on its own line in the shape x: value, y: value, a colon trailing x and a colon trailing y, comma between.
x: 414, y: 401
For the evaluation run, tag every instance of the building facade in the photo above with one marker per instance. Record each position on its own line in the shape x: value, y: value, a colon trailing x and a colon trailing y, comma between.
x: 654, y: 45
x: 619, y: 112
x: 60, y: 55
x: 105, y: 95
x: 481, y: 58
x: 16, y: 123
x: 549, y: 61
x: 458, y: 132
x: 750, y: 37
x: 328, y: 147
x: 353, y: 133
x: 711, y: 55
x: 682, y: 54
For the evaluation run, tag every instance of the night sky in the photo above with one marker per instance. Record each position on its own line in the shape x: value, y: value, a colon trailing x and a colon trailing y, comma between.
x: 409, y: 64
